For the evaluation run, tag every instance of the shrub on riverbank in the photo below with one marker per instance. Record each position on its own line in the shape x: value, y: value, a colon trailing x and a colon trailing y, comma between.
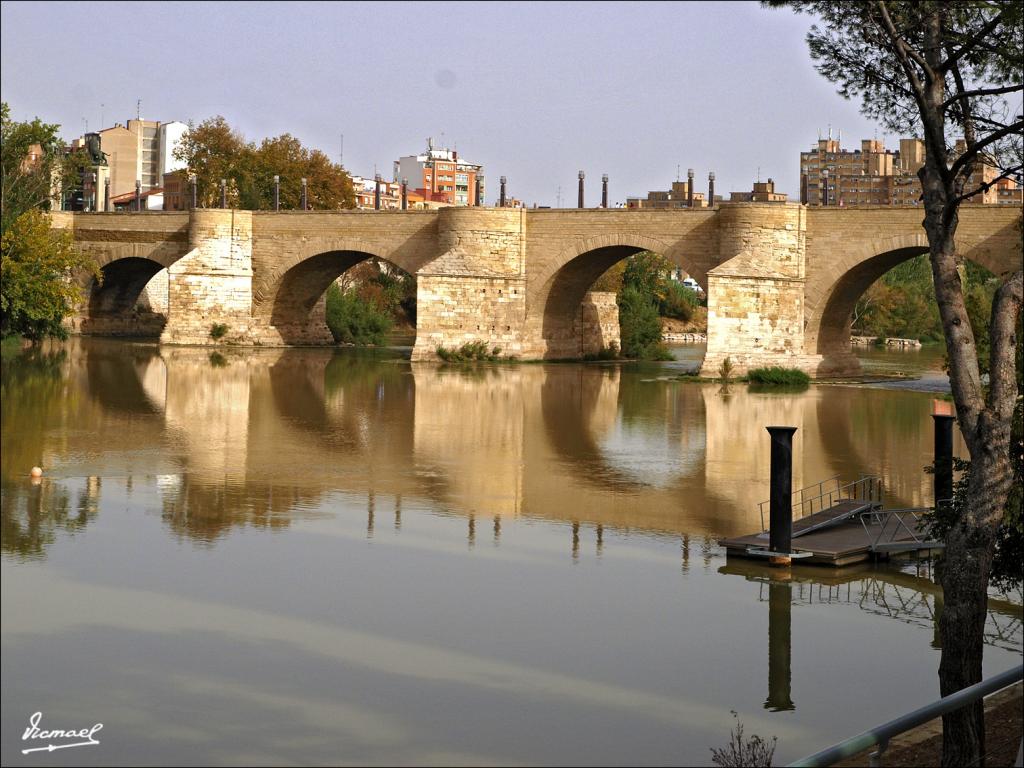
x: 470, y: 352
x: 36, y: 287
x: 353, y: 320
x: 640, y: 325
x: 776, y: 376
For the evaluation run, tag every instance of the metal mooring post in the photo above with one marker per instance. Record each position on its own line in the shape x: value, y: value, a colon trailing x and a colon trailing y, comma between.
x: 780, y: 525
x: 943, y: 456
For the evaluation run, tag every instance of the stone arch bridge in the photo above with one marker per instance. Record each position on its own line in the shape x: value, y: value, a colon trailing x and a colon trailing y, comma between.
x: 781, y: 279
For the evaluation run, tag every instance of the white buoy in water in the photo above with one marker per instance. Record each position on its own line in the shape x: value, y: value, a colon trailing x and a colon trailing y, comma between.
x: 36, y: 472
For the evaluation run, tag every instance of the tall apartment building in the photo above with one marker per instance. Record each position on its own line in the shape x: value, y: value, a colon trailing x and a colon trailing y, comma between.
x: 438, y: 175
x: 874, y: 175
x: 140, y: 150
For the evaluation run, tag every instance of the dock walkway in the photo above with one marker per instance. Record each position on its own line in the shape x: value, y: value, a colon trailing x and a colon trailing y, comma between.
x: 849, y: 530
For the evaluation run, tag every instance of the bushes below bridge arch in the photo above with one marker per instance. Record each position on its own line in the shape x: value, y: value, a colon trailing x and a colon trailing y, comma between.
x: 354, y: 319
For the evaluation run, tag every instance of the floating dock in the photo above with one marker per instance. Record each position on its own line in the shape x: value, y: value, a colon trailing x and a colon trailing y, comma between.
x: 849, y: 527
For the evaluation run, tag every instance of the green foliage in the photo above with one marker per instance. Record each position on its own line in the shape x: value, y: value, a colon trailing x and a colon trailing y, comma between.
x: 725, y: 370
x: 71, y: 169
x: 778, y: 376
x: 37, y: 285
x: 218, y: 331
x: 679, y: 301
x: 355, y: 320
x: 648, y: 272
x: 213, y: 150
x: 639, y: 324
x: 611, y: 352
x: 472, y: 351
x: 27, y: 183
x: 902, y: 304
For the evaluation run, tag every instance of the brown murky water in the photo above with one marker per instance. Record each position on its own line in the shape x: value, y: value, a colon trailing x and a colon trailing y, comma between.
x: 315, y: 556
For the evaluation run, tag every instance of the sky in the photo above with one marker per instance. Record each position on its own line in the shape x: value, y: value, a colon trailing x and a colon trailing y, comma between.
x: 533, y: 91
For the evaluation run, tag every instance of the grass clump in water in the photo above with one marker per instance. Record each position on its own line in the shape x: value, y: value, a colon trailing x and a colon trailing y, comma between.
x: 777, y: 376
x: 470, y: 352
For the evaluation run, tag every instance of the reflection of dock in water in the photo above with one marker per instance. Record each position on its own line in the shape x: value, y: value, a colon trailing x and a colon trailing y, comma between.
x: 906, y: 597
x: 912, y: 598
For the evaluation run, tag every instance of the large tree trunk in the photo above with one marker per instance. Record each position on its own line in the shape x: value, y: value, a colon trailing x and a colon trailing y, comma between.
x: 986, y: 429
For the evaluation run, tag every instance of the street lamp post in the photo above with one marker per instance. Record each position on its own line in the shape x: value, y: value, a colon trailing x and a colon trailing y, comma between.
x: 305, y: 205
x: 223, y: 193
x: 689, y: 187
x: 192, y: 182
x: 824, y: 187
x: 405, y: 194
x: 138, y: 195
x: 277, y: 192
x: 376, y: 192
x: 579, y: 203
x: 106, y: 194
x: 501, y: 197
x: 711, y: 189
x: 604, y: 190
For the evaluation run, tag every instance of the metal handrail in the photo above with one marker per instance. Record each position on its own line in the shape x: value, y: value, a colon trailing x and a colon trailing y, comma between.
x: 881, y: 517
x: 881, y: 734
x: 867, y: 487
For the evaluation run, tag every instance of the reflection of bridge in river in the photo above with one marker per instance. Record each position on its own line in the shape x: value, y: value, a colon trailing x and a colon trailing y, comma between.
x: 260, y: 438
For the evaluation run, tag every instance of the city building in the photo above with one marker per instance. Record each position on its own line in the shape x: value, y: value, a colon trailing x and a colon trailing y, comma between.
x: 1009, y: 192
x: 177, y: 195
x: 676, y: 197
x: 438, y: 175
x: 365, y: 190
x: 874, y: 175
x: 151, y: 199
x: 170, y: 138
x: 763, y: 192
x: 139, y: 150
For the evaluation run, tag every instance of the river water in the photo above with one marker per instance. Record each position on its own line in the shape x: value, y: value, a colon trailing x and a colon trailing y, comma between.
x: 317, y: 556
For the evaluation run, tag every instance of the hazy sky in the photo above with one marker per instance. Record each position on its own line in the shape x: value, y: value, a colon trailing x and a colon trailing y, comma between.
x: 534, y: 91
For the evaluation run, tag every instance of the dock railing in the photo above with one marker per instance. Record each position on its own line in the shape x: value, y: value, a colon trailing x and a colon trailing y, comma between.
x: 881, y: 734
x: 827, y: 493
x: 890, y: 523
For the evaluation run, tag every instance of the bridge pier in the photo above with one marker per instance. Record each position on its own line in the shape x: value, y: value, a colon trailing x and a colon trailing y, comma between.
x: 475, y: 291
x: 211, y: 285
x: 756, y: 294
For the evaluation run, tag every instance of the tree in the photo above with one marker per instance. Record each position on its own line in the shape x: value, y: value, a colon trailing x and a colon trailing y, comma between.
x: 37, y: 267
x: 328, y: 186
x: 950, y: 70
x: 639, y: 324
x: 27, y: 181
x: 213, y: 150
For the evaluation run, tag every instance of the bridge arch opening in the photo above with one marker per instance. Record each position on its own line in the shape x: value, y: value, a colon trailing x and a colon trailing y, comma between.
x: 580, y: 305
x: 298, y: 310
x: 891, y: 295
x: 129, y: 300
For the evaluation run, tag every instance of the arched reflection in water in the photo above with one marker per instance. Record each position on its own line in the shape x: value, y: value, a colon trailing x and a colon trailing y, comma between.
x: 580, y: 445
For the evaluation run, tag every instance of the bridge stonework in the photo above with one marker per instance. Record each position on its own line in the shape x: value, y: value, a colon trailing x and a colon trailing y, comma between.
x: 781, y: 279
